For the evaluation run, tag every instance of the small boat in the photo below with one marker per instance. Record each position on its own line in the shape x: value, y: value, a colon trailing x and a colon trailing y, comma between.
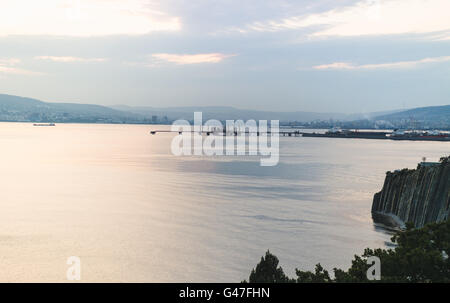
x: 44, y: 124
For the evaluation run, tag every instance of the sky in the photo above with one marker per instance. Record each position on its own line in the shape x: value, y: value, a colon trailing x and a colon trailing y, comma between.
x: 347, y: 56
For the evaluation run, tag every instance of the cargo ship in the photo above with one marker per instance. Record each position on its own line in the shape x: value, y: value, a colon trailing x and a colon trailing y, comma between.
x: 352, y: 134
x: 411, y: 135
x: 420, y: 135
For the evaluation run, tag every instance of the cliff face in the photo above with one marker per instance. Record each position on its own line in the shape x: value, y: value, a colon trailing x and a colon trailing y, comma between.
x: 419, y: 196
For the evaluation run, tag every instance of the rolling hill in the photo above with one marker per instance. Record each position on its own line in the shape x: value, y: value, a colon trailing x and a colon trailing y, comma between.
x: 425, y: 117
x: 19, y: 109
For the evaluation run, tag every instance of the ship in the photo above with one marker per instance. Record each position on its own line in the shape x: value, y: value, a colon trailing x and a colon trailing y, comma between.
x: 411, y: 135
x: 346, y: 133
x: 44, y: 124
x: 414, y: 135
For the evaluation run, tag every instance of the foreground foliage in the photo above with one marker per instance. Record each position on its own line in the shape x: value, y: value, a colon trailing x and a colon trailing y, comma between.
x: 421, y: 255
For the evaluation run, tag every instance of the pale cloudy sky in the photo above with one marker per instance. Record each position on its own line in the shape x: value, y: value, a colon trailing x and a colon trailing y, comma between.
x: 306, y: 55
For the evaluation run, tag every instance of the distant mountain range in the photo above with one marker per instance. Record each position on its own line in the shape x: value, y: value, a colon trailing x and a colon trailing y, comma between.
x: 223, y: 113
x: 430, y: 117
x: 19, y: 109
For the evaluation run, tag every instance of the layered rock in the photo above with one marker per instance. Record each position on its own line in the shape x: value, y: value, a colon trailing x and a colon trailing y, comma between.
x: 419, y: 196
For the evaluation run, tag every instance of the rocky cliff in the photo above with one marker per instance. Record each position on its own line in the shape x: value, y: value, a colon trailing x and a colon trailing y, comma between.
x: 419, y: 196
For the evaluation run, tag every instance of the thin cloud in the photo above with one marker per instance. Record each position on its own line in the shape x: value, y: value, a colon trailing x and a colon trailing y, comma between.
x: 8, y: 66
x: 83, y: 18
x: 444, y: 36
x: 391, y: 65
x: 367, y: 17
x: 191, y: 59
x: 68, y: 59
x: 335, y: 65
x: 9, y: 61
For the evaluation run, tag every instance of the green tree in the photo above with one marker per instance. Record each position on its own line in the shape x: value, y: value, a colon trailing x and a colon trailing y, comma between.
x: 268, y: 271
x: 421, y: 255
x: 320, y: 275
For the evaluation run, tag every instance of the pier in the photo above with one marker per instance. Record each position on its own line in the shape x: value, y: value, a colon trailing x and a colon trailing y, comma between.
x: 345, y: 134
x: 235, y: 133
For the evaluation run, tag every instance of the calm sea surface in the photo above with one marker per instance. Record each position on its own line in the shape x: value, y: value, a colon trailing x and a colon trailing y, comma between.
x: 116, y: 197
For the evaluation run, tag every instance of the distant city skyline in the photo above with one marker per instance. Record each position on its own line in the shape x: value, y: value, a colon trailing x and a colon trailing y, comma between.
x: 308, y: 55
